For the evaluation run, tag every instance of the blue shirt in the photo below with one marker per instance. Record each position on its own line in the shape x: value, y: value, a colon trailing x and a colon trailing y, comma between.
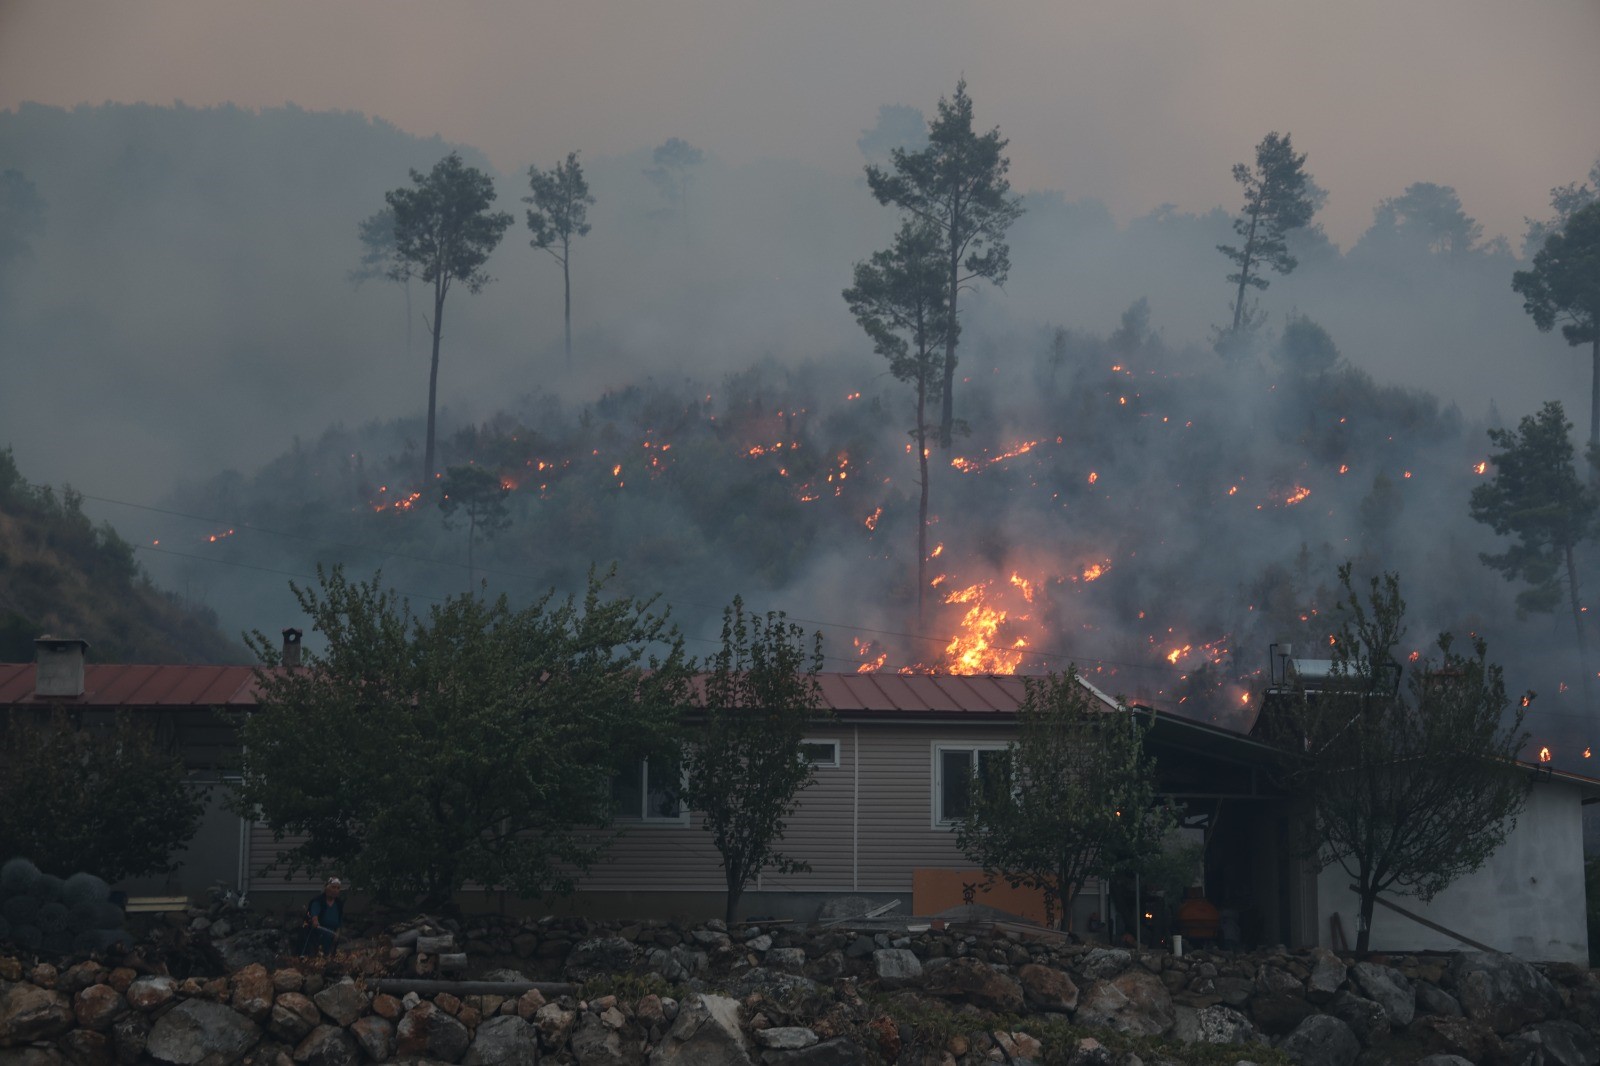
x: 328, y: 915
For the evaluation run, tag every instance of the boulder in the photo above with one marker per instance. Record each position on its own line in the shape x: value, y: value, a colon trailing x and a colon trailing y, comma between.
x: 1047, y: 988
x: 706, y: 1033
x: 258, y: 946
x: 129, y: 1035
x: 677, y: 963
x: 292, y: 1017
x: 975, y: 982
x: 1388, y: 988
x: 786, y: 1037
x: 328, y: 1045
x: 97, y: 1006
x: 1564, y: 1043
x: 600, y: 955
x: 1276, y: 981
x: 1366, y: 1018
x: 1328, y: 972
x: 375, y: 1035
x: 148, y: 993
x: 343, y: 1001
x: 1470, y: 1039
x: 198, y: 1030
x: 554, y: 1022
x: 1444, y: 1060
x: 840, y: 1051
x: 1321, y: 1040
x: 896, y: 967
x: 1135, y: 1002
x: 594, y: 1043
x: 84, y: 1047
x: 30, y: 1013
x: 252, y: 992
x: 1102, y: 963
x: 1211, y: 1025
x: 505, y: 1040
x: 1502, y: 990
x: 426, y: 1031
x: 1278, y: 1015
x: 1431, y: 999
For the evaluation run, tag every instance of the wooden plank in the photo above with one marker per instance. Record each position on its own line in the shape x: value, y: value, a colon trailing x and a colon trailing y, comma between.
x: 1420, y: 920
x: 155, y: 904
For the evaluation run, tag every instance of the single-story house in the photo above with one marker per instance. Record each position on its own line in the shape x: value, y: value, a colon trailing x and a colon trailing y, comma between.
x: 892, y: 758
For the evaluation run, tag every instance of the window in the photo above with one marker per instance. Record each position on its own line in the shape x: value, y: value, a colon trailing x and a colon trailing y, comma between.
x: 953, y: 766
x: 646, y: 793
x: 822, y: 754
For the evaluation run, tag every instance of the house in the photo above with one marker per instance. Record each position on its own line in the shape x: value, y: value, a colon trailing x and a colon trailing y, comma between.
x: 891, y: 758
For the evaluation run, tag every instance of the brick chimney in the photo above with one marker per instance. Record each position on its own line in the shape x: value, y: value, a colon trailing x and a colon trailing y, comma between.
x: 59, y: 674
x: 291, y: 647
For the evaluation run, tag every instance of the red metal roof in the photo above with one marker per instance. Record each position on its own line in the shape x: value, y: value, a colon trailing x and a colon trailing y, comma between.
x: 118, y: 685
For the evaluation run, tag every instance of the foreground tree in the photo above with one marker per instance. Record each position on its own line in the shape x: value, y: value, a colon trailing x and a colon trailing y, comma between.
x: 443, y: 234
x: 471, y: 492
x: 1537, y: 497
x: 1566, y: 201
x: 476, y: 743
x: 1409, y: 787
x: 110, y: 801
x: 1277, y: 199
x: 899, y: 299
x: 560, y: 212
x: 1563, y: 287
x: 956, y: 187
x: 743, y: 764
x: 1073, y: 797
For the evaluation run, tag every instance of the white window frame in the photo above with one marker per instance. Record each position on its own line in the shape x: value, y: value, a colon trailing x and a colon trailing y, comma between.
x: 939, y: 747
x: 823, y: 764
x: 643, y: 817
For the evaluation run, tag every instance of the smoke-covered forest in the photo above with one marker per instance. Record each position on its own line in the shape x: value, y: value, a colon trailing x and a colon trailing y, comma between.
x: 183, y: 301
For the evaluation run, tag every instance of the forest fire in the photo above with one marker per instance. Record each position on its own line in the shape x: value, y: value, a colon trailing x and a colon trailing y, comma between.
x: 871, y: 663
x: 872, y: 519
x: 214, y: 537
x: 1094, y: 571
x: 969, y: 466
x: 981, y: 646
x: 1300, y: 493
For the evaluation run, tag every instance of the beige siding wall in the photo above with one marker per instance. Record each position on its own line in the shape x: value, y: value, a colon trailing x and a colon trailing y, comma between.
x: 863, y: 825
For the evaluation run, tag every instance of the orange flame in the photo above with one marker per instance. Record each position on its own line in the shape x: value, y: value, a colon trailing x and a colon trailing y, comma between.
x: 1093, y: 571
x: 872, y: 519
x: 1024, y: 584
x: 1300, y: 492
x: 978, y: 648
x: 1544, y: 754
x: 872, y: 664
x: 1480, y: 468
x: 1093, y: 477
x: 968, y: 466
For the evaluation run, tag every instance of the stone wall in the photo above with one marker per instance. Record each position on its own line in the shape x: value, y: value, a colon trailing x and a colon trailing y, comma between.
x: 662, y: 994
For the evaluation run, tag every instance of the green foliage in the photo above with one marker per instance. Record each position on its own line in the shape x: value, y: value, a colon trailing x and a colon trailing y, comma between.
x: 1537, y: 498
x: 1072, y: 797
x: 477, y: 743
x: 1306, y: 349
x: 743, y: 767
x: 957, y: 188
x: 1408, y: 787
x: 1277, y: 200
x: 1430, y: 217
x: 111, y: 799
x: 473, y: 493
x: 1563, y: 287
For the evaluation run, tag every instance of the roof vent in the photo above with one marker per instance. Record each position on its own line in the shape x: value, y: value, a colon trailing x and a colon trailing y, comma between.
x: 59, y: 674
x: 291, y: 647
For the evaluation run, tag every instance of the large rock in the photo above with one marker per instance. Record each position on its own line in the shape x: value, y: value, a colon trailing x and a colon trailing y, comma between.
x: 1211, y: 1025
x: 975, y: 982
x: 595, y: 1043
x: 601, y: 955
x: 1431, y: 999
x: 85, y: 1047
x: 148, y: 993
x: 97, y: 1006
x: 198, y: 1030
x: 292, y: 1017
x: 706, y: 1033
x: 1047, y: 988
x: 343, y: 1001
x: 129, y: 1034
x: 1388, y: 988
x: 1564, y: 1043
x: 678, y: 963
x: 1102, y: 963
x: 1470, y: 1039
x: 252, y: 992
x: 1501, y: 990
x: 840, y: 1051
x: 1135, y: 1002
x: 554, y: 1023
x: 1366, y: 1018
x: 1321, y: 1040
x: 786, y: 1037
x: 1278, y: 1015
x: 375, y: 1034
x: 1328, y: 972
x: 427, y: 1031
x: 30, y: 1013
x: 896, y: 967
x: 505, y: 1040
x: 328, y: 1045
x: 258, y: 946
x: 1276, y: 981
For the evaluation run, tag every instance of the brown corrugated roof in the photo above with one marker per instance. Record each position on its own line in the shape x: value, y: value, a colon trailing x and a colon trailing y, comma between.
x: 119, y: 685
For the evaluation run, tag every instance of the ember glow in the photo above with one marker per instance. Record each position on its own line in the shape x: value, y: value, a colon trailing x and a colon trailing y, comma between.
x: 214, y: 537
x: 1094, y: 571
x: 872, y: 519
x: 980, y: 646
x: 969, y: 466
x: 1300, y: 493
x: 1481, y: 468
x: 870, y: 663
x: 1544, y: 754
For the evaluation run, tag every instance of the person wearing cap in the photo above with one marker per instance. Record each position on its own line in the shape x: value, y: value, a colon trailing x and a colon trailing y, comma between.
x: 324, y: 915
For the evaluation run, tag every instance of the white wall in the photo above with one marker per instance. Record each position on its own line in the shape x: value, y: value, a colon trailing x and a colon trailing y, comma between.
x: 1527, y: 900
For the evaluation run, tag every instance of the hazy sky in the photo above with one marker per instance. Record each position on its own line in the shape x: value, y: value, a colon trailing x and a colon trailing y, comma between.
x: 1136, y: 103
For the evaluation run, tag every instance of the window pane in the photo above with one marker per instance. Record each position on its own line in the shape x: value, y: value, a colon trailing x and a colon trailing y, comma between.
x: 627, y: 793
x: 663, y: 779
x: 955, y: 777
x: 821, y: 752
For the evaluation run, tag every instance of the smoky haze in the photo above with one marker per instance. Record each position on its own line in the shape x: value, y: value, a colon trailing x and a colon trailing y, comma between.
x: 185, y: 337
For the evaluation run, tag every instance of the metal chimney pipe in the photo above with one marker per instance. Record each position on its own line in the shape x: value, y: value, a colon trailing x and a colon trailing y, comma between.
x: 291, y: 648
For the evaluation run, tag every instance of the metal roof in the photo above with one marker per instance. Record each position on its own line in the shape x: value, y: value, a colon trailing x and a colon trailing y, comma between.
x: 118, y: 685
